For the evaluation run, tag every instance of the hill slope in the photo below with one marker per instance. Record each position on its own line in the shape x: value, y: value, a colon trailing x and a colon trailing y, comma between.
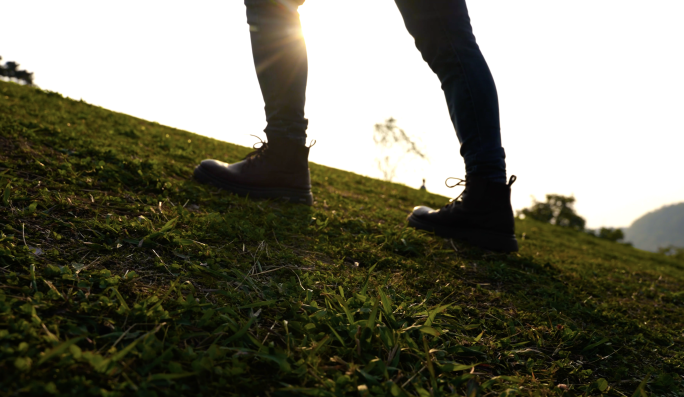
x: 122, y: 276
x: 660, y: 228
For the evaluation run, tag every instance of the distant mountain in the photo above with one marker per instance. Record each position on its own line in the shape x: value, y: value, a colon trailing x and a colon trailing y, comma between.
x: 660, y: 228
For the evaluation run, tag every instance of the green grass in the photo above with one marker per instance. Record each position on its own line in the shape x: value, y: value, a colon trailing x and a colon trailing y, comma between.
x: 119, y: 275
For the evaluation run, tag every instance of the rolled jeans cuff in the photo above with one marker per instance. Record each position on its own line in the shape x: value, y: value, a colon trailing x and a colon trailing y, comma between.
x: 490, y: 163
x: 289, y: 130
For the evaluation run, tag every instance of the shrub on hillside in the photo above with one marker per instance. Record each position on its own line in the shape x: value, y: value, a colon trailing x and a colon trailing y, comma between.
x: 615, y: 235
x: 611, y: 234
x: 672, y: 251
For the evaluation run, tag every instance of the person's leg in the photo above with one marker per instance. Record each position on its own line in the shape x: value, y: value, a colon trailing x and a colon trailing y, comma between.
x: 279, y: 168
x: 444, y: 37
x: 280, y: 61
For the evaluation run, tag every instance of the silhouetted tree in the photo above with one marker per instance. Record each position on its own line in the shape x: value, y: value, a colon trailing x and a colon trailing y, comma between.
x: 11, y: 70
x: 557, y: 210
x: 388, y: 136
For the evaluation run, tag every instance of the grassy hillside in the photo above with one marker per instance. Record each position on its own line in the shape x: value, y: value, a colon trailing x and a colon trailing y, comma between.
x: 119, y: 275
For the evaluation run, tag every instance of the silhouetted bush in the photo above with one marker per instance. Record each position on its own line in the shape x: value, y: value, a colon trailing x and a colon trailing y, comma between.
x: 11, y: 70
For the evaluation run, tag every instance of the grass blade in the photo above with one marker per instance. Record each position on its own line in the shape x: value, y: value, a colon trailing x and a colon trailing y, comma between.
x: 59, y: 349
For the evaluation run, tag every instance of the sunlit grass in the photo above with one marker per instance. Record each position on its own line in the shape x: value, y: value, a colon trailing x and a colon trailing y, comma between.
x: 121, y: 276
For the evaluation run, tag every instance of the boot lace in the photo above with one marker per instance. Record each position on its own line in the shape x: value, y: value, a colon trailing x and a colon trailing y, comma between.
x: 259, y: 152
x: 259, y: 149
x: 460, y: 182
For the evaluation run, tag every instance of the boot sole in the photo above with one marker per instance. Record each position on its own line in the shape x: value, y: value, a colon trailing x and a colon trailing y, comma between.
x: 301, y: 196
x: 493, y: 241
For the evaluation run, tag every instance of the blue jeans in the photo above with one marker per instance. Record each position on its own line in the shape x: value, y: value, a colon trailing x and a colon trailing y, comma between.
x: 443, y: 35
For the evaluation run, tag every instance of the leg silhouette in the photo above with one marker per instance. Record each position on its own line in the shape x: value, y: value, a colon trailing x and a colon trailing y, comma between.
x: 482, y: 214
x: 279, y: 167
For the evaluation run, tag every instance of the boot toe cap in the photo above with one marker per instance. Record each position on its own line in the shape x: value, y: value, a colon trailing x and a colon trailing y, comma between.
x: 211, y: 163
x: 214, y: 167
x: 421, y: 211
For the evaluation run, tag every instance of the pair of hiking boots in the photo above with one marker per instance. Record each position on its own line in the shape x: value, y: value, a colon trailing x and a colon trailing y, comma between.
x: 481, y: 215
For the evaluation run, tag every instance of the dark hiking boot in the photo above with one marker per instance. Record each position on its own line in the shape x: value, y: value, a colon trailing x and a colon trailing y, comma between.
x: 277, y: 169
x: 482, y: 217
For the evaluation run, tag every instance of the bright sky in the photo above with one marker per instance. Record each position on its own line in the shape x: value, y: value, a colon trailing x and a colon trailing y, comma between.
x: 590, y: 90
